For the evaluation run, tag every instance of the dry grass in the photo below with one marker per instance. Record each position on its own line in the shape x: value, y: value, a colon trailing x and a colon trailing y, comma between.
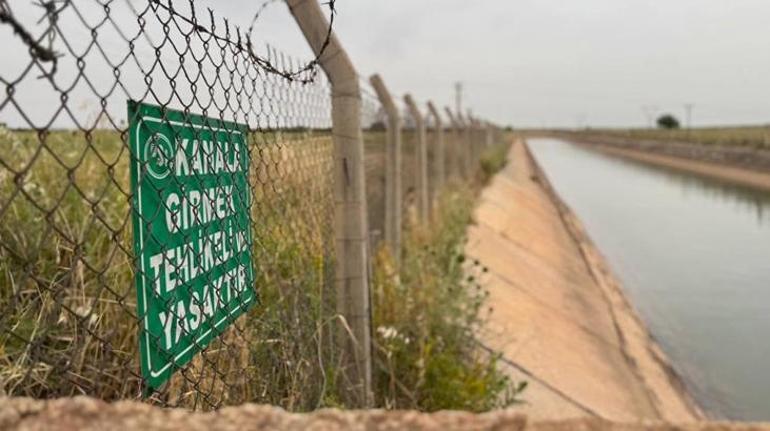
x: 68, y: 321
x: 67, y: 294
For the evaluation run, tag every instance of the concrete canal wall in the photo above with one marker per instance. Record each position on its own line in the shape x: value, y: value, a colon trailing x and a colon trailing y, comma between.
x: 559, y: 316
x: 740, y: 165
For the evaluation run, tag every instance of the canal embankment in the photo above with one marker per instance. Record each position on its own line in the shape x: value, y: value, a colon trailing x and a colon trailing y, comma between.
x: 691, y: 252
x: 741, y: 165
x: 557, y: 314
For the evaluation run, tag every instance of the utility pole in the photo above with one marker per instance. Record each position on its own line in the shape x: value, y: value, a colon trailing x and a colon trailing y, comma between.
x: 458, y: 96
x: 580, y: 121
x: 688, y: 107
x: 649, y: 112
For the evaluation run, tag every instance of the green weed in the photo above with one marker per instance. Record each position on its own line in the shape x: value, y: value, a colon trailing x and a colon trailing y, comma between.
x: 426, y: 316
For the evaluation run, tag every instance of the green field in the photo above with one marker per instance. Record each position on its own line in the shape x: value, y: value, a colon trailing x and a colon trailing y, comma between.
x: 747, y: 136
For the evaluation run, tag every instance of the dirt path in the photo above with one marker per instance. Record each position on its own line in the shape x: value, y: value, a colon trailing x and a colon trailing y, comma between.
x: 733, y: 174
x: 557, y: 317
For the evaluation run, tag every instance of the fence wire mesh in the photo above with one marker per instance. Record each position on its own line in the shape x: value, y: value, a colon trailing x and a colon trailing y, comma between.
x: 69, y: 321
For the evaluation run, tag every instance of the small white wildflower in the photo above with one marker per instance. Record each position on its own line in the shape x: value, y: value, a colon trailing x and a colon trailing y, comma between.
x: 387, y: 332
x: 82, y: 311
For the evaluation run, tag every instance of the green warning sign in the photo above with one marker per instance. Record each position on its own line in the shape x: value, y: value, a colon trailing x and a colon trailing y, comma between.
x: 192, y: 235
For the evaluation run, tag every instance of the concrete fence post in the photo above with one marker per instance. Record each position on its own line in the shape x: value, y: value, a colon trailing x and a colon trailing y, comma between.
x: 475, y: 142
x: 439, y: 158
x: 488, y: 134
x: 393, y: 200
x: 350, y: 223
x: 472, y: 142
x: 454, y: 156
x: 422, y: 159
x: 464, y: 146
x: 478, y: 142
x: 471, y: 153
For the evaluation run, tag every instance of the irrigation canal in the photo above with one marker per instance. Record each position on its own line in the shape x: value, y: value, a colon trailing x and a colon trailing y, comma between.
x: 693, y: 254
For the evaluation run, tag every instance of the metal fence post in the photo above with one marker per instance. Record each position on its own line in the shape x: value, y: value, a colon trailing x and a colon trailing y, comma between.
x: 422, y: 158
x: 392, y: 168
x: 350, y: 225
x: 439, y: 162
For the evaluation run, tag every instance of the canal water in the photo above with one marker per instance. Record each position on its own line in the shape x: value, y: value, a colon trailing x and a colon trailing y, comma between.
x: 694, y: 256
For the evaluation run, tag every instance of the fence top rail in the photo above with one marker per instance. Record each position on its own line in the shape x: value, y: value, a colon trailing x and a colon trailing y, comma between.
x: 414, y: 112
x: 385, y: 97
x: 434, y: 112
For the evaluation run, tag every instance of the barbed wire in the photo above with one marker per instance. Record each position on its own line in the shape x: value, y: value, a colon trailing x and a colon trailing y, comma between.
x: 310, y: 66
x: 42, y: 53
x: 240, y: 42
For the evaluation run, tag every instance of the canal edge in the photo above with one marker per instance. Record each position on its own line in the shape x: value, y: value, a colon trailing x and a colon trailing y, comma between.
x: 618, y: 303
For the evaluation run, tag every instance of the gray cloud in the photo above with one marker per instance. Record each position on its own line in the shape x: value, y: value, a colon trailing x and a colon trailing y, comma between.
x: 551, y: 62
x: 542, y: 62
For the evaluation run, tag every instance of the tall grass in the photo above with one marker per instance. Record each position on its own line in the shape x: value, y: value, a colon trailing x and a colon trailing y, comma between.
x: 65, y: 293
x: 68, y: 323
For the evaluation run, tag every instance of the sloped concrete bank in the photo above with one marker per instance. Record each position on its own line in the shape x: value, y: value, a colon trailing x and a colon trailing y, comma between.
x: 87, y: 414
x: 645, y: 355
x: 560, y: 318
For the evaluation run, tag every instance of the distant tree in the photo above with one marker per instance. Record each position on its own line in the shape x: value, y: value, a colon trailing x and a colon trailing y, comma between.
x: 668, y: 121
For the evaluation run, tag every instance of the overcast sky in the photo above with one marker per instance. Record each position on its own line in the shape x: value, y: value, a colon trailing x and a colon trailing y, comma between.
x: 564, y: 63
x: 528, y: 63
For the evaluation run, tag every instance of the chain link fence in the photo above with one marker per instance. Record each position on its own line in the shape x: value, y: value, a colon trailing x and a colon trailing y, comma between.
x: 69, y: 318
x: 248, y: 140
x: 374, y: 123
